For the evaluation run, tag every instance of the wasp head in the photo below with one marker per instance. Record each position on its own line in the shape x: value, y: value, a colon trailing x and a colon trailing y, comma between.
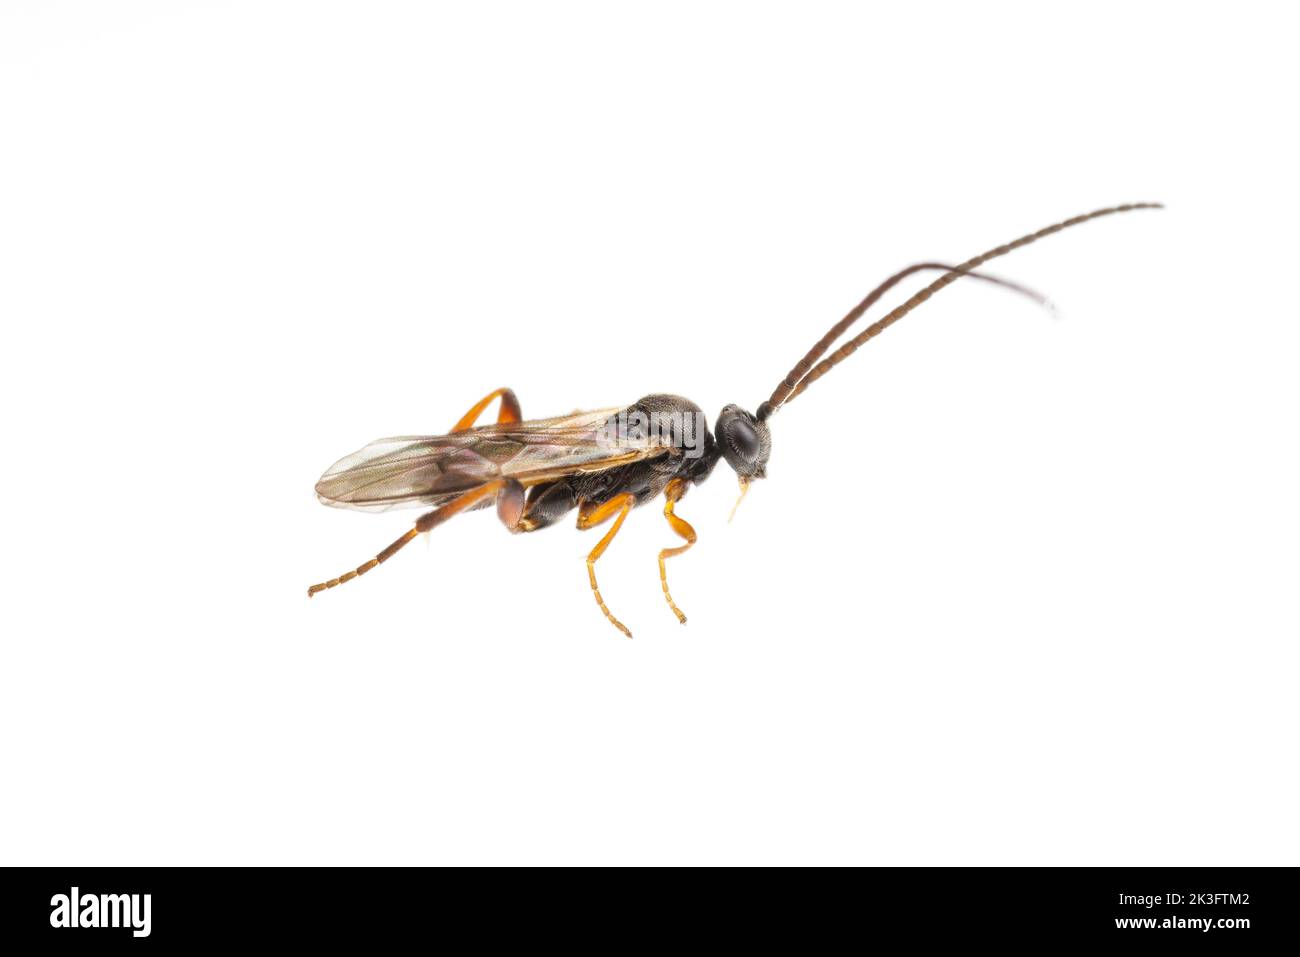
x: 746, y: 442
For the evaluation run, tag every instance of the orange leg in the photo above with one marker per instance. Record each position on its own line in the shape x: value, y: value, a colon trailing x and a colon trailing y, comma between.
x: 424, y: 523
x: 675, y: 490
x: 509, y: 411
x: 590, y: 518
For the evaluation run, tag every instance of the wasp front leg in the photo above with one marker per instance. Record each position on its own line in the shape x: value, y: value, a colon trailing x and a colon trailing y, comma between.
x: 673, y: 493
x: 589, y: 516
x: 509, y: 411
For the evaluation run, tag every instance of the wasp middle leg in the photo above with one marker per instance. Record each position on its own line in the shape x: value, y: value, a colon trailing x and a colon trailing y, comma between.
x: 509, y: 411
x: 673, y: 493
x: 590, y: 517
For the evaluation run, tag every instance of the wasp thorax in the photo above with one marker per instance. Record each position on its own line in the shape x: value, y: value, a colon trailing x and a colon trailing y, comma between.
x: 746, y: 442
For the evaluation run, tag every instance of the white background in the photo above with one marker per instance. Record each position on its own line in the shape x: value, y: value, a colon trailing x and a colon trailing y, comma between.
x: 1020, y: 589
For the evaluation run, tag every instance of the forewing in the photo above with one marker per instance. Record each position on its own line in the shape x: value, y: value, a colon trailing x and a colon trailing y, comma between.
x: 408, y: 471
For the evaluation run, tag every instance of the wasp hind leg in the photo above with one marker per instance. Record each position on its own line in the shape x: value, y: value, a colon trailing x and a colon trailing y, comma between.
x: 673, y: 493
x: 590, y: 517
x: 501, y: 489
x: 508, y: 412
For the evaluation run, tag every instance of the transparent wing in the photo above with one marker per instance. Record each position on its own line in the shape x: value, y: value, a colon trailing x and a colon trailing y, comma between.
x: 409, y: 471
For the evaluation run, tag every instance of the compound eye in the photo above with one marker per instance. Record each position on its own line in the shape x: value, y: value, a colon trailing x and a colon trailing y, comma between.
x: 743, y: 439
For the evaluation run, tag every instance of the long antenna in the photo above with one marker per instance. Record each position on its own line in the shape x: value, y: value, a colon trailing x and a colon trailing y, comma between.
x: 825, y: 342
x: 802, y: 376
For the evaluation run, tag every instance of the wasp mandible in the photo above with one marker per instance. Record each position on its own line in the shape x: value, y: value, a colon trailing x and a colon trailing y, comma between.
x: 606, y: 462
